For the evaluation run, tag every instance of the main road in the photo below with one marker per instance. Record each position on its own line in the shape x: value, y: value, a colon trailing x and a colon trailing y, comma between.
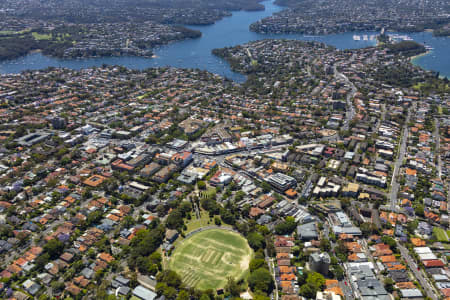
x: 417, y: 273
x: 350, y: 113
x: 437, y: 140
x: 398, y: 163
x: 271, y: 265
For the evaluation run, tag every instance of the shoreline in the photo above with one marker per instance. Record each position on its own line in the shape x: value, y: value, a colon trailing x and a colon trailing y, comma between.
x: 415, y: 57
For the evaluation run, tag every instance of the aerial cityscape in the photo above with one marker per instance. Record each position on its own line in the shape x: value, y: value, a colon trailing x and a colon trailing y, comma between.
x: 237, y: 149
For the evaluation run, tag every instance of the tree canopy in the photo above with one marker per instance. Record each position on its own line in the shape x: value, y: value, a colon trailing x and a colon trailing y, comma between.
x: 261, y: 280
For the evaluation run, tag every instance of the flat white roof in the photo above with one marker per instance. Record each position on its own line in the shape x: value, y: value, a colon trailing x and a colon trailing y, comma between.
x: 422, y: 250
x: 427, y: 256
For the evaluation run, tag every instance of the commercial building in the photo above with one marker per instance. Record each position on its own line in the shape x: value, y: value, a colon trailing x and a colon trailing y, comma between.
x: 381, y: 182
x: 220, y: 179
x: 135, y: 189
x: 177, y: 144
x: 163, y: 175
x: 33, y: 138
x: 282, y: 182
x: 140, y: 160
x: 345, y: 226
x: 351, y: 190
x: 364, y: 282
x: 150, y: 169
x: 58, y: 123
x: 94, y: 181
x: 182, y: 159
x: 319, y: 262
x: 143, y: 293
x: 307, y: 232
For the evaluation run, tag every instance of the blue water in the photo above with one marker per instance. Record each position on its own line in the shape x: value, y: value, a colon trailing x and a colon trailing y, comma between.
x: 437, y: 59
x: 229, y: 31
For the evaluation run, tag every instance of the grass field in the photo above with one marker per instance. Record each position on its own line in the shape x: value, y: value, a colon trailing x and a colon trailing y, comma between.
x: 8, y: 32
x: 195, y: 223
x: 210, y: 192
x: 206, y: 259
x: 41, y: 37
x: 440, y: 234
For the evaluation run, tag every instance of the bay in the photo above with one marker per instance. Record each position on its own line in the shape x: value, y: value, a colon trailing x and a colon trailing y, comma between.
x: 230, y: 31
x: 437, y: 59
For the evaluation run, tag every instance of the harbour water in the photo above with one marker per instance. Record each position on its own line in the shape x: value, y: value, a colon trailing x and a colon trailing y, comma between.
x: 230, y: 31
x: 438, y: 58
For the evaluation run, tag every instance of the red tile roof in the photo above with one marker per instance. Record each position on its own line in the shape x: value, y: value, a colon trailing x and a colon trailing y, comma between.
x: 434, y: 263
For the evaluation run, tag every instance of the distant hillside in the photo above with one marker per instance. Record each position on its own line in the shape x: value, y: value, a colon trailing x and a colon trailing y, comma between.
x: 100, y: 11
x: 335, y: 16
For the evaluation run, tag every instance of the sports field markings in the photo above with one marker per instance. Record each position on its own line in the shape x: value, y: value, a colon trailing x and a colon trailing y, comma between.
x: 222, y: 245
x: 206, y: 259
